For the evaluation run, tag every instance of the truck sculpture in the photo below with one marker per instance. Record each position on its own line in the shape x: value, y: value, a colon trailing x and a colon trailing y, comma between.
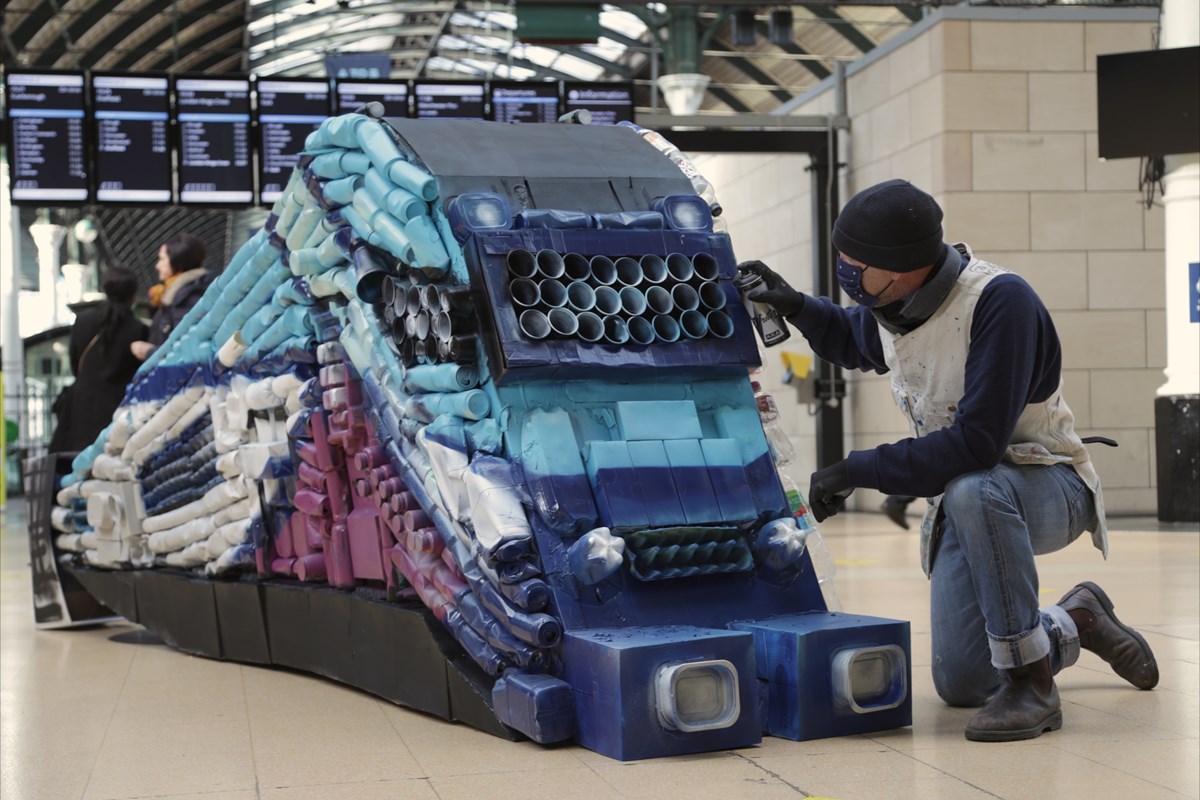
x: 467, y: 424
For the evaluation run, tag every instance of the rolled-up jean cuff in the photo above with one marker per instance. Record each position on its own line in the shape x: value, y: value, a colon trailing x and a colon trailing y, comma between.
x: 1017, y: 651
x: 1064, y: 634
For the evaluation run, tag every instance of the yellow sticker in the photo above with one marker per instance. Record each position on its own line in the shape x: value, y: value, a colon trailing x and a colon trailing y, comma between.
x: 798, y: 363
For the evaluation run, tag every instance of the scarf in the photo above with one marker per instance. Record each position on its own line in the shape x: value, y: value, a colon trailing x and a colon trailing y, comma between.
x: 159, y: 289
x: 907, y: 315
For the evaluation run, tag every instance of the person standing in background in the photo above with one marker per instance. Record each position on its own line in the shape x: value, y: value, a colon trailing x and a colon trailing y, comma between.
x: 180, y: 267
x: 101, y: 361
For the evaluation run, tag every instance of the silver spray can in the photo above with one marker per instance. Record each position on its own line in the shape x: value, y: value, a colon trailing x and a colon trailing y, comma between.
x: 767, y: 320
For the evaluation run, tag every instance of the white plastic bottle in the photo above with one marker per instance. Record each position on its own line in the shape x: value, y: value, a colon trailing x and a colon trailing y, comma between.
x: 782, y: 449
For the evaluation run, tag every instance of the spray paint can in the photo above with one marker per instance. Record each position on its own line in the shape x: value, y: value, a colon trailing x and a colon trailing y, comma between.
x: 767, y: 321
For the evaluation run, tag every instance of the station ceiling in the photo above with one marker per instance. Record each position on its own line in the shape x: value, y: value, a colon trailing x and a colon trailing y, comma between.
x: 445, y: 38
x: 474, y: 39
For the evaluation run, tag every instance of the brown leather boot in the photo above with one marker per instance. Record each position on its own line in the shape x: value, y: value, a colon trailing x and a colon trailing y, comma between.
x: 1026, y: 706
x: 1101, y: 632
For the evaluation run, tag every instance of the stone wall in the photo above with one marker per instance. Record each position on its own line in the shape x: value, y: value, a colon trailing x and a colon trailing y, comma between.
x: 995, y: 115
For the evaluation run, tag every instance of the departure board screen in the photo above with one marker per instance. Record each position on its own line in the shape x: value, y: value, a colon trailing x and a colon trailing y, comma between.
x: 351, y: 95
x: 214, y: 140
x: 48, y: 136
x: 609, y: 103
x: 514, y: 101
x: 288, y: 111
x: 133, y: 149
x: 438, y: 100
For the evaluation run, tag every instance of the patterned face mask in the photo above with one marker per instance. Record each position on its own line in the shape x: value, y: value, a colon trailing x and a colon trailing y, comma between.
x: 850, y: 279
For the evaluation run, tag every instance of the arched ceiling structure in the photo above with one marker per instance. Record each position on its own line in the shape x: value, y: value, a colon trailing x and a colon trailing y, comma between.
x: 445, y: 38
x: 474, y: 39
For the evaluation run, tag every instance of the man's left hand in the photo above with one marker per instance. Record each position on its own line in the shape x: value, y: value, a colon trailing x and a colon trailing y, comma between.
x: 828, y: 490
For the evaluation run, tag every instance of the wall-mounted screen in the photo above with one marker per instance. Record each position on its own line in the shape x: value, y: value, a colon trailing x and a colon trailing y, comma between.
x: 1145, y: 103
x: 609, y: 103
x: 47, y: 136
x: 132, y: 162
x: 351, y: 95
x: 288, y: 110
x: 516, y: 101
x: 448, y: 100
x: 214, y: 140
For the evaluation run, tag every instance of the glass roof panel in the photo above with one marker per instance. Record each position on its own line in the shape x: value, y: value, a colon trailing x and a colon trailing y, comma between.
x: 259, y: 24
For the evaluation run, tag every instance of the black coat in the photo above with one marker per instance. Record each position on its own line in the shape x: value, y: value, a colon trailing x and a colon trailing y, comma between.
x: 103, y: 367
x: 178, y: 302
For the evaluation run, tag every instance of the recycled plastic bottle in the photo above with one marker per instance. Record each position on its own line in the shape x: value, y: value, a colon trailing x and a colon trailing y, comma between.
x: 699, y: 183
x: 783, y: 452
x: 822, y: 559
x: 782, y: 449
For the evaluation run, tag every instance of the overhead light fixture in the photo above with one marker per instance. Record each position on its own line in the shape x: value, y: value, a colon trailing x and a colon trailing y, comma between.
x: 683, y: 91
x: 744, y: 34
x: 780, y: 30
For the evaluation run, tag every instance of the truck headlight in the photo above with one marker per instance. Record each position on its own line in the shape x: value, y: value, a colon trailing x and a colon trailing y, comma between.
x: 697, y: 695
x: 868, y: 679
x: 479, y: 211
x: 685, y: 212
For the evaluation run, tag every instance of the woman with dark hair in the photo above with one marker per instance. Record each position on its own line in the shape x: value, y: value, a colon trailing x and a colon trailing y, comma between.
x: 101, y: 361
x: 180, y: 267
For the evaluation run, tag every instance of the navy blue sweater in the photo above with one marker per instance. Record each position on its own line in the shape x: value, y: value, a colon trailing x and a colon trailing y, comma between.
x: 1014, y: 359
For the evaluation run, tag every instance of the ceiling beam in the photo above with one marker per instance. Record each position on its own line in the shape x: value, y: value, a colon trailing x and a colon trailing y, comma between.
x: 111, y: 43
x: 190, y: 27
x: 817, y: 68
x: 224, y: 43
x: 433, y: 40
x: 729, y: 98
x: 842, y: 26
x: 611, y: 66
x: 503, y: 60
x: 752, y: 71
x: 320, y: 32
x: 33, y: 23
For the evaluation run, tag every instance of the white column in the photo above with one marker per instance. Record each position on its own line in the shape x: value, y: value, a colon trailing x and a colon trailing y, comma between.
x: 10, y: 302
x: 1180, y: 27
x: 75, y: 279
x: 1175, y: 408
x: 1181, y: 204
x: 48, y: 238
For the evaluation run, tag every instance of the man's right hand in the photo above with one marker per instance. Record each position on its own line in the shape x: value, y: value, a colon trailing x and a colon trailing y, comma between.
x: 774, y: 290
x: 141, y: 350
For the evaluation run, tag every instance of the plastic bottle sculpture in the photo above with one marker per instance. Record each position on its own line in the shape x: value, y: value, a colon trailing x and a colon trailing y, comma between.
x: 470, y: 418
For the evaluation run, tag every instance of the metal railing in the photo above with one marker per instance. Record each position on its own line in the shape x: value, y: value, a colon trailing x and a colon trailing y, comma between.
x: 35, y: 425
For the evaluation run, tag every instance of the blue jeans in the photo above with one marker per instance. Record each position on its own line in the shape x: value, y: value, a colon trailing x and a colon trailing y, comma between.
x: 984, y: 584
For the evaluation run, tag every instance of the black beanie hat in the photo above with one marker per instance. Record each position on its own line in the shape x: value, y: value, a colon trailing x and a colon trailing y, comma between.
x: 892, y: 226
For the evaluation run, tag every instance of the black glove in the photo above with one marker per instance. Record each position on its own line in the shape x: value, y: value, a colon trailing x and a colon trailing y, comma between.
x: 774, y: 290
x: 828, y: 490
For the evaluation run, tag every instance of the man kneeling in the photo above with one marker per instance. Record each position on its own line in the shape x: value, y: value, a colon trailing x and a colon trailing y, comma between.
x: 975, y: 364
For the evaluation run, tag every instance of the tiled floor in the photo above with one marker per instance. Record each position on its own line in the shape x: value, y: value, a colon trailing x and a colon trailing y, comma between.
x: 86, y: 716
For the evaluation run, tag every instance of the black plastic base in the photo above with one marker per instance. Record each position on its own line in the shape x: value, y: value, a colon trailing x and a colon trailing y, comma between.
x: 1177, y: 438
x: 397, y: 651
x: 58, y: 599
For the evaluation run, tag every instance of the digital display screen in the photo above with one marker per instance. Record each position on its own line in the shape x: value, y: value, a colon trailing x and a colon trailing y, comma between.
x: 609, y: 103
x: 288, y: 111
x: 353, y: 94
x: 448, y: 100
x: 133, y: 148
x: 48, y: 136
x: 214, y: 140
x: 514, y: 101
